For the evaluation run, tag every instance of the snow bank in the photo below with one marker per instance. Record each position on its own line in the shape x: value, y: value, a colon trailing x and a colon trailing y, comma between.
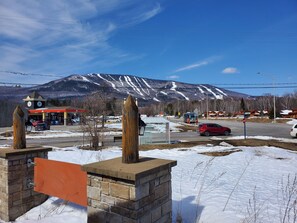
x: 212, y: 189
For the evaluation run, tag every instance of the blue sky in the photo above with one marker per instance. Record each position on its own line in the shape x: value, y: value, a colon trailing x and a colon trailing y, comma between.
x: 227, y: 43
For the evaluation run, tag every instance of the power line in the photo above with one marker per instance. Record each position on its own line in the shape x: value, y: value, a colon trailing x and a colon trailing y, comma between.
x: 30, y: 74
x: 234, y: 86
x: 14, y: 84
x: 254, y: 84
x: 265, y: 85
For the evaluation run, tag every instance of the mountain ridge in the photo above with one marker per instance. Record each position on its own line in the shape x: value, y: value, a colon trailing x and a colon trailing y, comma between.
x: 120, y: 85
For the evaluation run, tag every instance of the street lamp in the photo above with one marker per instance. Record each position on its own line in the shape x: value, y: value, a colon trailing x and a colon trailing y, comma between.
x: 273, y: 84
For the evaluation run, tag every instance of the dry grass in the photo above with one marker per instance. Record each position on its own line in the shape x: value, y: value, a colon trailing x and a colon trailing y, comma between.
x: 172, y: 146
x: 222, y: 153
x: 185, y: 128
x: 259, y: 142
x: 7, y: 134
x: 247, y: 142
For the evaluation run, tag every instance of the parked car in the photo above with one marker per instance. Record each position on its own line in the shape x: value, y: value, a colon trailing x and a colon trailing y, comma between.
x: 213, y: 129
x: 293, y: 132
x: 35, y: 123
x: 42, y: 126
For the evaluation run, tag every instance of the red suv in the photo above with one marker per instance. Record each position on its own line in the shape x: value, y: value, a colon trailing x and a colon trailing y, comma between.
x: 213, y: 129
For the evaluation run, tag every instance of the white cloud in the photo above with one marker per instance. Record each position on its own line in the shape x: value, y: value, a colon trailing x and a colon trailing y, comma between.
x: 173, y: 77
x: 147, y: 15
x: 198, y: 64
x: 230, y: 70
x: 192, y: 66
x: 66, y: 36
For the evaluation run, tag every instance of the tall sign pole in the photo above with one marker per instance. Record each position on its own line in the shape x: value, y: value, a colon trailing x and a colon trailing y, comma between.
x: 244, y: 127
x: 130, y: 126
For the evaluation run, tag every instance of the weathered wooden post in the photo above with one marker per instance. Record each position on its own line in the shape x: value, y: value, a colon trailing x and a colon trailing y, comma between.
x: 19, y: 130
x: 130, y: 151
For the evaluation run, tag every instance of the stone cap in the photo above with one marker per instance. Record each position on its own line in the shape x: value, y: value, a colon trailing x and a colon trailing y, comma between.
x: 132, y: 171
x: 4, y: 153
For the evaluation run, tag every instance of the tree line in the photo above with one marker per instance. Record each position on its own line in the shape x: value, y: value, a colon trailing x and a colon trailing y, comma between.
x: 229, y: 105
x: 101, y: 105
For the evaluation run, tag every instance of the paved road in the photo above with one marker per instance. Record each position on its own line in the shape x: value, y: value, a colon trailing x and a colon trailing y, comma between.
x: 253, y: 129
x: 278, y: 130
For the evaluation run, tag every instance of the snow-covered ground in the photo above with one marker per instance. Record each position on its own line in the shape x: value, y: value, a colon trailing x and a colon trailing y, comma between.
x: 247, y: 184
x: 212, y: 189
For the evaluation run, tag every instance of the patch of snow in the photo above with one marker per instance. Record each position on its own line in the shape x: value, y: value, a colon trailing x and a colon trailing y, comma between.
x: 162, y: 92
x: 120, y: 79
x: 214, y: 94
x: 134, y: 87
x: 219, y: 90
x: 87, y: 80
x: 225, y: 144
x: 257, y: 137
x: 110, y: 82
x: 147, y: 92
x: 292, y: 122
x: 200, y: 89
x: 173, y: 88
x: 155, y: 99
x: 149, y: 86
x: 111, y: 77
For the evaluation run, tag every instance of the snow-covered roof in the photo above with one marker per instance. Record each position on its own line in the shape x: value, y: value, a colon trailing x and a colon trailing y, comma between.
x: 154, y: 120
x: 285, y: 112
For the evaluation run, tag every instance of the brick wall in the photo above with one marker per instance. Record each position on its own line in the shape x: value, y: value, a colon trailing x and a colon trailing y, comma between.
x: 17, y: 195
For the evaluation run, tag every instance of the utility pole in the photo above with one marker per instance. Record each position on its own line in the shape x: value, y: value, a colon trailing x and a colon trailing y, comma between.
x: 273, y: 85
x: 207, y: 106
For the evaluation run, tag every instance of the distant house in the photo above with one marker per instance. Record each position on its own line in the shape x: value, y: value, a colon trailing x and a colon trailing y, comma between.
x: 215, y: 114
x: 289, y: 113
x: 252, y: 113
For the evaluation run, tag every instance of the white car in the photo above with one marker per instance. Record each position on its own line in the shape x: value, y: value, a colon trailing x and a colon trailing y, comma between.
x: 293, y: 132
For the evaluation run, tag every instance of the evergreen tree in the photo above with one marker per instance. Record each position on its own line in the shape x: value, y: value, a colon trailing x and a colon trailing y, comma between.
x: 242, y: 105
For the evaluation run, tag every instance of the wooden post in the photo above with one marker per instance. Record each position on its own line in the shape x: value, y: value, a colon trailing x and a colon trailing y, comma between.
x: 130, y: 124
x: 19, y: 131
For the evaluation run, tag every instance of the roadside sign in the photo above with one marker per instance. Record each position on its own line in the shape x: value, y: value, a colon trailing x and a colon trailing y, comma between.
x: 61, y: 179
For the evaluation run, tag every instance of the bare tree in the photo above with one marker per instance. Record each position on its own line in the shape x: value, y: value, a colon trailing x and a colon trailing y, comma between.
x: 94, y: 118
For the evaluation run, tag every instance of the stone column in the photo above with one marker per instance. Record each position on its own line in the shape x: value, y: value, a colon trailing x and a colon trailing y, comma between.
x: 137, y: 192
x: 17, y: 194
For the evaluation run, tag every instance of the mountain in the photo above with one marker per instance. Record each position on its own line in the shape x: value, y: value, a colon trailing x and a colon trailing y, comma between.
x: 119, y: 86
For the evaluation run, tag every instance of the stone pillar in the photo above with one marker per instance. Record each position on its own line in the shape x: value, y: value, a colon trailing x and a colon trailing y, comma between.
x: 137, y: 192
x: 17, y: 194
